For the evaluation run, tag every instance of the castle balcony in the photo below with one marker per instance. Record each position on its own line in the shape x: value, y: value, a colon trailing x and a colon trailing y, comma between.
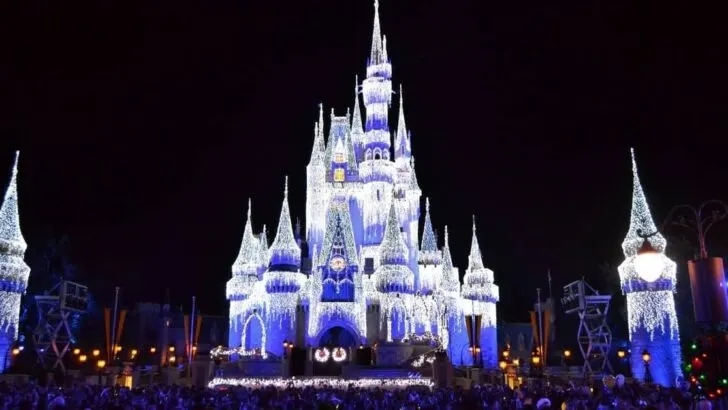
x: 383, y: 70
x: 376, y: 170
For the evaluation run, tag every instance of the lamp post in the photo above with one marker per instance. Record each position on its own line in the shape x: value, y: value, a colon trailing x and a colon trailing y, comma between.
x: 698, y: 220
x: 646, y: 358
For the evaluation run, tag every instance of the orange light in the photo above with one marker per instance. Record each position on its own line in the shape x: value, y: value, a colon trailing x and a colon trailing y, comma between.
x: 194, y: 348
x: 517, y: 362
x: 134, y: 352
x: 171, y: 348
x: 77, y: 351
x: 503, y: 364
x: 96, y: 352
x: 152, y: 350
x: 16, y: 351
x: 172, y: 359
x: 117, y: 349
x: 535, y: 360
x: 567, y: 353
x: 506, y: 353
x: 646, y: 356
x: 621, y: 353
x: 82, y: 358
x: 361, y: 347
x: 101, y: 364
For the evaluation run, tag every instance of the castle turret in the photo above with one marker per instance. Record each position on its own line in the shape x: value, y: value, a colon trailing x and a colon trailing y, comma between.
x: 357, y: 130
x: 240, y: 286
x: 402, y: 147
x: 480, y: 290
x: 394, y: 279
x: 317, y: 193
x: 14, y: 272
x: 430, y: 257
x: 282, y: 282
x: 650, y: 287
x: 341, y: 160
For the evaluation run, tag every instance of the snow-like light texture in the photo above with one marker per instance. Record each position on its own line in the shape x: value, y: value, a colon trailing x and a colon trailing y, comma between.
x: 652, y: 317
x: 13, y: 270
x: 370, y: 271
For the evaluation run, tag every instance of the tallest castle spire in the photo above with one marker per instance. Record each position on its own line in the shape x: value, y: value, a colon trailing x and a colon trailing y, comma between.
x: 378, y: 53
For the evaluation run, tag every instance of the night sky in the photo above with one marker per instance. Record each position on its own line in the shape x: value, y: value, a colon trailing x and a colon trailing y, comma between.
x: 145, y: 126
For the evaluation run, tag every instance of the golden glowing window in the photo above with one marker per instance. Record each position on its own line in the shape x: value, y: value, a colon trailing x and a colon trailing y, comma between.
x: 338, y: 175
x: 339, y: 157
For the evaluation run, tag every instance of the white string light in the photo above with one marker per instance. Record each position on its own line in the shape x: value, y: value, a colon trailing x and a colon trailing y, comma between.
x: 322, y: 355
x: 324, y: 382
x: 339, y: 354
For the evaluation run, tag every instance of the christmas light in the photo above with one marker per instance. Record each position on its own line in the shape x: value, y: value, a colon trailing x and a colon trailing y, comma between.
x: 13, y: 270
x: 324, y: 382
x: 322, y: 355
x: 478, y: 281
x: 339, y: 354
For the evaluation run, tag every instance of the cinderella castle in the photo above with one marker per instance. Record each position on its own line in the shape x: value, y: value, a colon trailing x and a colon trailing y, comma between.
x: 363, y: 274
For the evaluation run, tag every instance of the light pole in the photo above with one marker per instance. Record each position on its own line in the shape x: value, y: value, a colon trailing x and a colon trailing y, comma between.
x: 698, y: 220
x: 646, y: 358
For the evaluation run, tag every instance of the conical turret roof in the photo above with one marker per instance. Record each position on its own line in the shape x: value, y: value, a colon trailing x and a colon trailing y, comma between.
x: 284, y: 252
x: 319, y: 146
x: 10, y: 232
x: 247, y: 260
x: 401, y: 140
x: 429, y: 254
x: 450, y: 282
x: 641, y: 221
x: 378, y: 53
x: 478, y: 280
x: 393, y: 250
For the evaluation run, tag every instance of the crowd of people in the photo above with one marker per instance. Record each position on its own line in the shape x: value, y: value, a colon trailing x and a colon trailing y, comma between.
x: 323, y: 396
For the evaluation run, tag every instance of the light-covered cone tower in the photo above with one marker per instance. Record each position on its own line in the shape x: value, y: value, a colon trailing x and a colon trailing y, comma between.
x: 480, y: 295
x: 653, y: 325
x: 13, y: 270
x: 282, y: 282
x: 450, y: 311
x: 394, y: 280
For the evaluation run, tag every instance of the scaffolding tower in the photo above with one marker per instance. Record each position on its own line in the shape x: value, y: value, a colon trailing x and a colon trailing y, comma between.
x: 594, y: 336
x: 52, y: 336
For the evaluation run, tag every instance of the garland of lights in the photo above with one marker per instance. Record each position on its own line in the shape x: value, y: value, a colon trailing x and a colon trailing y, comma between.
x: 323, y: 382
x: 220, y: 352
x: 339, y: 354
x: 257, y: 316
x: 322, y: 355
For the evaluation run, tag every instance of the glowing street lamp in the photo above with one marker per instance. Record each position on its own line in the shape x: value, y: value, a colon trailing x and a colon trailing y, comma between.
x: 96, y: 352
x: 503, y: 364
x: 77, y: 351
x: 82, y: 358
x: 567, y: 353
x: 621, y: 353
x: 152, y: 350
x: 101, y: 364
x: 16, y: 351
x: 646, y: 357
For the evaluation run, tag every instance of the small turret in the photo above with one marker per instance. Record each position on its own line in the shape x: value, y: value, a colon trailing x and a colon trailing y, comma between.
x: 401, y: 142
x: 393, y: 273
x: 285, y: 255
x: 449, y: 282
x: 245, y: 267
x: 319, y: 147
x: 357, y: 129
x: 478, y: 281
x: 429, y: 254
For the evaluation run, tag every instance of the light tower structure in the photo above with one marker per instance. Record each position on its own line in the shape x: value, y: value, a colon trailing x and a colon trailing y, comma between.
x: 14, y: 272
x: 451, y: 326
x: 376, y: 171
x: 594, y: 336
x: 282, y: 281
x: 480, y: 290
x: 648, y: 279
x: 316, y: 188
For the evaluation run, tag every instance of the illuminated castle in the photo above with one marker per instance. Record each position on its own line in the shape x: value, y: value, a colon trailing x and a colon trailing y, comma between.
x: 370, y: 278
x: 13, y: 270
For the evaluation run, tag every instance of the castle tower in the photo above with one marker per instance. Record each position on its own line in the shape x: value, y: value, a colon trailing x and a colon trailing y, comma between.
x: 430, y: 258
x: 282, y: 281
x: 337, y: 295
x: 376, y: 171
x: 262, y: 258
x: 394, y: 280
x: 317, y: 194
x: 13, y: 270
x: 451, y: 326
x: 651, y: 312
x: 479, y: 288
x: 240, y: 287
x: 357, y: 130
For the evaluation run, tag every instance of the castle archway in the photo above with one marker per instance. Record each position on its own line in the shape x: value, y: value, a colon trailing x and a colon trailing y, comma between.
x: 340, y: 336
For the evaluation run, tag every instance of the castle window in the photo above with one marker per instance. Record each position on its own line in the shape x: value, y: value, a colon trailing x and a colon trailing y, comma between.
x: 386, y: 154
x: 368, y: 155
x: 378, y: 196
x: 339, y: 175
x: 377, y: 153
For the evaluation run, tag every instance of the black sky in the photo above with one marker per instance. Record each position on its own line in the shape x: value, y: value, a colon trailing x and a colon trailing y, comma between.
x: 145, y: 126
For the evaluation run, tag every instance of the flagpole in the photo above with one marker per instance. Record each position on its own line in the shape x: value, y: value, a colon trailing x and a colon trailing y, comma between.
x: 192, y: 327
x: 540, y: 327
x: 113, y: 325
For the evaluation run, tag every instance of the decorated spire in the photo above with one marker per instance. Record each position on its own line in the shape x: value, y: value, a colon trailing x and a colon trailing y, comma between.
x: 378, y: 53
x: 385, y: 57
x: 356, y: 125
x: 9, y: 217
x: 400, y: 143
x: 450, y: 281
x: 285, y: 251
x: 247, y: 259
x: 475, y: 260
x: 413, y: 185
x: 393, y: 250
x: 641, y: 222
x: 319, y: 147
x: 263, y: 247
x: 429, y: 254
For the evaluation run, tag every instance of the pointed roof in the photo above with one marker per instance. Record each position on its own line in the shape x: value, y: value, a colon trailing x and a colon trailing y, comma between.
x: 340, y: 232
x: 263, y: 247
x: 414, y: 184
x: 429, y: 254
x: 641, y: 221
x: 475, y: 259
x: 450, y: 282
x: 319, y: 147
x: 339, y: 134
x: 9, y: 217
x: 247, y: 259
x: 285, y: 250
x: 356, y: 125
x: 378, y: 53
x: 400, y: 144
x: 393, y: 250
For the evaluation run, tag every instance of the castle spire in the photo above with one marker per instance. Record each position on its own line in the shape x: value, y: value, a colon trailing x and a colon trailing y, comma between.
x: 475, y: 260
x: 378, y: 52
x: 429, y: 254
x: 246, y: 261
x: 393, y: 250
x: 641, y: 221
x: 319, y: 147
x: 9, y: 216
x: 400, y: 150
x: 285, y: 251
x: 450, y: 281
x: 356, y: 125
